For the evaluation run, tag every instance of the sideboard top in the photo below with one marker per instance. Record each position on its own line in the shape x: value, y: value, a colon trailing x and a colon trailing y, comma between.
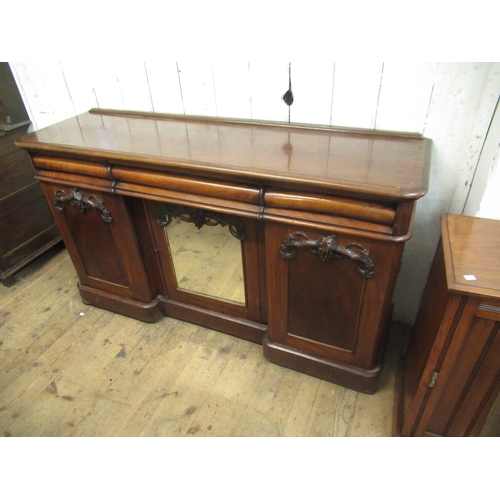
x: 373, y: 163
x: 472, y: 254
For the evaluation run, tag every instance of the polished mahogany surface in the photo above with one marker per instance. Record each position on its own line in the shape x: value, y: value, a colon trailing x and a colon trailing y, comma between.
x: 473, y: 248
x: 353, y: 161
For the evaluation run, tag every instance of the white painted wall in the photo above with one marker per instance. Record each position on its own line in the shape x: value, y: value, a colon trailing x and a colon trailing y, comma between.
x: 484, y: 196
x: 490, y: 204
x: 451, y: 103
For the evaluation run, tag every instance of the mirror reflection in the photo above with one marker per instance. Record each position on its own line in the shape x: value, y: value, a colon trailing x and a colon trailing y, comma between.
x: 207, y: 261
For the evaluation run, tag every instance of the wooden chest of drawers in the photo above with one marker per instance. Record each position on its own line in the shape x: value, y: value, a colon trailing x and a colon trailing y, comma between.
x: 27, y: 227
x: 316, y: 218
x: 451, y: 375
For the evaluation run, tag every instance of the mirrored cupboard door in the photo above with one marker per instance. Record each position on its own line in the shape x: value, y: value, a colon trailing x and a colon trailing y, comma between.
x: 209, y: 263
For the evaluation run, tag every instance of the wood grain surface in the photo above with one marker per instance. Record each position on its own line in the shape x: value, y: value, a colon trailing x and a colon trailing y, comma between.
x: 386, y: 164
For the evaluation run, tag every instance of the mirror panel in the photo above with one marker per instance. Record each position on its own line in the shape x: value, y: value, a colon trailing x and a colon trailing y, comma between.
x: 207, y: 261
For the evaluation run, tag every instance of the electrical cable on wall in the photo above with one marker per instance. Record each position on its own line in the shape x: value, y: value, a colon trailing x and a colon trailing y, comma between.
x: 288, y: 99
x: 288, y: 95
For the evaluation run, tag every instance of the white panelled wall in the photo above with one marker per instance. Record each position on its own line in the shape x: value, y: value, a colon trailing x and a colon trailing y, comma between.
x: 451, y: 103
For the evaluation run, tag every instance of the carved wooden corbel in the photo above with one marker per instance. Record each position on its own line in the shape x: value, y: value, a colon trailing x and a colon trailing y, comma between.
x: 326, y: 247
x: 80, y: 202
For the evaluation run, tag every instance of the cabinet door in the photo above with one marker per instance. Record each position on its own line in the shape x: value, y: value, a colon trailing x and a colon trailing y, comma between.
x: 474, y: 381
x: 210, y: 267
x: 98, y: 233
x: 334, y: 305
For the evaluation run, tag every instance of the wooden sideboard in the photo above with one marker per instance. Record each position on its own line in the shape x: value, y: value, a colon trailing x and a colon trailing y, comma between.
x: 450, y: 376
x: 286, y: 235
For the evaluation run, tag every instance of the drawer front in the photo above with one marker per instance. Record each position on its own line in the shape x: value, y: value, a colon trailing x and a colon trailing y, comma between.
x: 377, y: 213
x: 388, y: 219
x: 15, y: 168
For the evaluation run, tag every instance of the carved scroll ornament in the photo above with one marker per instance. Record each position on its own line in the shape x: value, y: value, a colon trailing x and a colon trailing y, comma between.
x: 80, y: 202
x: 326, y: 247
x: 199, y: 217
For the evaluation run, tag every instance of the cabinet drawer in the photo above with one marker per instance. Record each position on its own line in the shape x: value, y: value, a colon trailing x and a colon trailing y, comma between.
x: 329, y: 205
x: 330, y: 210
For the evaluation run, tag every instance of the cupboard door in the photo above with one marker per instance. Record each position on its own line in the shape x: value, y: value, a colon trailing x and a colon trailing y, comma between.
x: 98, y: 233
x: 210, y: 268
x: 474, y: 381
x: 324, y: 302
x: 330, y: 298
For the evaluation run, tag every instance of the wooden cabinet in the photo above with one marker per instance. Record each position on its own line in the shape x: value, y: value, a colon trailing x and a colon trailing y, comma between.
x: 451, y: 374
x: 285, y: 235
x: 27, y: 228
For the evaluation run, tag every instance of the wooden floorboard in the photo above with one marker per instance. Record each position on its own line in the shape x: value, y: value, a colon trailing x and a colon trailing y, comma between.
x: 69, y: 369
